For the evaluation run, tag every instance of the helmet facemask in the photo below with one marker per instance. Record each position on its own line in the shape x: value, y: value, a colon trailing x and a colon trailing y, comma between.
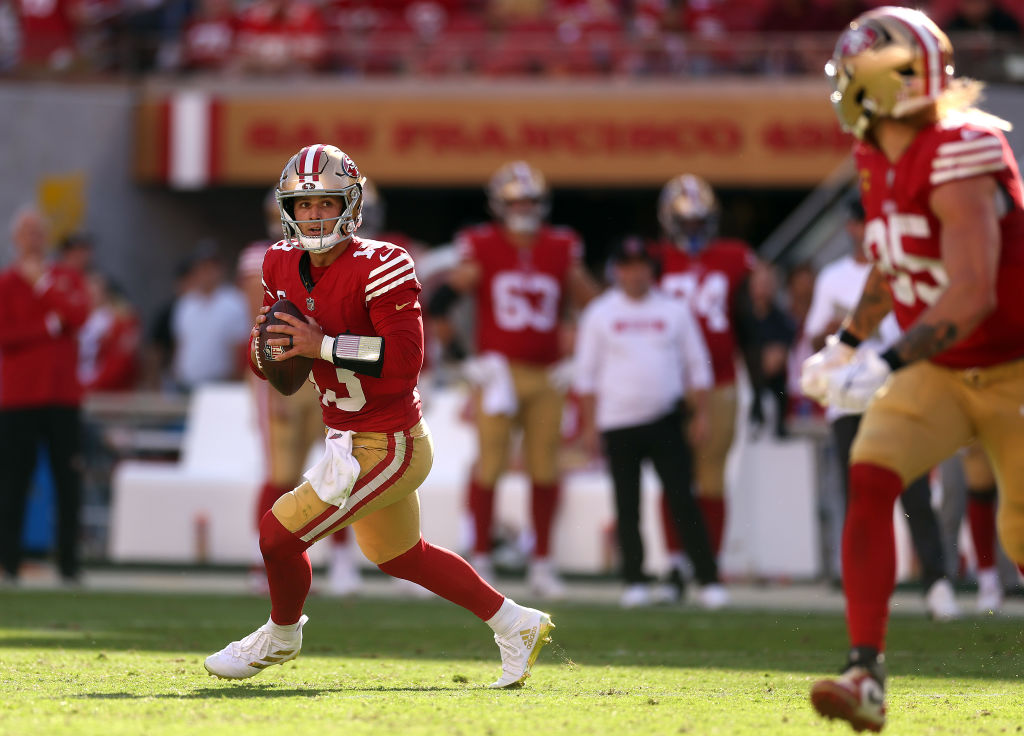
x: 518, y: 196
x: 343, y: 227
x: 688, y: 212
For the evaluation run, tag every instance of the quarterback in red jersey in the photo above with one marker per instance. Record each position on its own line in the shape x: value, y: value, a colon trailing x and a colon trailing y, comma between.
x: 945, y: 230
x: 364, y: 330
x: 289, y: 426
x: 706, y: 273
x: 521, y: 273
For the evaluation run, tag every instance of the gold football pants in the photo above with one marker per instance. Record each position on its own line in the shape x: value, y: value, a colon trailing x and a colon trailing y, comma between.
x: 926, y: 413
x: 540, y: 417
x: 383, y: 508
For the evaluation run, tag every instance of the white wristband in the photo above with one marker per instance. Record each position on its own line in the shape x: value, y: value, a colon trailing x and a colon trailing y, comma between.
x: 327, y: 349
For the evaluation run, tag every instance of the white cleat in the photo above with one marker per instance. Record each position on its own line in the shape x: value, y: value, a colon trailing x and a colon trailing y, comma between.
x: 713, y: 596
x: 941, y: 601
x: 544, y: 582
x: 250, y: 656
x: 990, y: 591
x: 519, y: 649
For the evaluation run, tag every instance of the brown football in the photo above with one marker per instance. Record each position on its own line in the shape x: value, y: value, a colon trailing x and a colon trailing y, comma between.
x: 287, y: 376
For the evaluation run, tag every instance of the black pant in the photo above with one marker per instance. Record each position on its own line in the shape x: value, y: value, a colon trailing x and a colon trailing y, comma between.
x: 21, y: 431
x: 916, y: 501
x: 663, y: 443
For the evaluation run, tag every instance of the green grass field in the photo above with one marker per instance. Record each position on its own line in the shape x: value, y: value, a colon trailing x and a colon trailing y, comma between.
x: 101, y: 663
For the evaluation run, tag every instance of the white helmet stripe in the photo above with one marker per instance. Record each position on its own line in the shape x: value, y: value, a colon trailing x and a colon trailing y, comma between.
x: 308, y: 167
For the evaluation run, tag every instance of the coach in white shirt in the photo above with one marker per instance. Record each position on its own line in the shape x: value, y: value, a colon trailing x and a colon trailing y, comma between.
x: 637, y: 353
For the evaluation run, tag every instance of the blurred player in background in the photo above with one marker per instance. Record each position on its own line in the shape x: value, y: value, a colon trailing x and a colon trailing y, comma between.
x: 945, y: 229
x: 43, y: 304
x: 289, y: 425
x: 365, y: 334
x: 982, y: 504
x: 707, y: 273
x: 522, y: 274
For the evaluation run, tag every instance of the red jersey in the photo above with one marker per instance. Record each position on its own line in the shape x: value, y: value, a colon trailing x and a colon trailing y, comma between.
x: 902, y: 235
x: 371, y: 289
x: 521, y: 290
x: 38, y: 338
x: 707, y: 282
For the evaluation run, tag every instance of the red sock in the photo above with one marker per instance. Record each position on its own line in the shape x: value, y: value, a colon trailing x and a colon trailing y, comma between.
x: 981, y: 517
x: 668, y: 528
x: 713, y: 510
x: 448, y: 575
x: 481, y: 508
x: 869, y: 553
x: 269, y: 493
x: 289, y: 572
x: 543, y: 505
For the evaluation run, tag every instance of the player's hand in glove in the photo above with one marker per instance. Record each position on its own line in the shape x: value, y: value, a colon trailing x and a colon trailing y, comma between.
x: 815, y: 372
x: 851, y: 387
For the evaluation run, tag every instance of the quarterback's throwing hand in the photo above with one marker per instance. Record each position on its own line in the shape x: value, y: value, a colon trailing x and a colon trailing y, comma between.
x: 852, y: 386
x: 816, y: 370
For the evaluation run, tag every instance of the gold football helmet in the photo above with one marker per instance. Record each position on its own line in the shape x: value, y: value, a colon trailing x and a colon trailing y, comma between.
x: 324, y: 171
x: 518, y: 195
x: 890, y: 62
x: 688, y: 211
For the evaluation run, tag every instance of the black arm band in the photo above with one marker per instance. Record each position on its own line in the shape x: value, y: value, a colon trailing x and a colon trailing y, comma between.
x: 891, y: 357
x: 442, y: 301
x: 359, y: 354
x: 848, y: 338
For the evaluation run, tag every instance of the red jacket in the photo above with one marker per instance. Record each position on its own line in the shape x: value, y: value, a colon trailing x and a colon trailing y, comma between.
x: 38, y: 329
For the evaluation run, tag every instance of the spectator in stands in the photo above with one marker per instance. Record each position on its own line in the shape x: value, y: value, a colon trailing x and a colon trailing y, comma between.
x: 836, y: 292
x: 277, y: 36
x: 47, y: 31
x: 638, y: 353
x: 109, y: 341
x: 210, y: 323
x: 147, y: 33
x: 43, y: 306
x: 208, y: 41
x: 984, y: 16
